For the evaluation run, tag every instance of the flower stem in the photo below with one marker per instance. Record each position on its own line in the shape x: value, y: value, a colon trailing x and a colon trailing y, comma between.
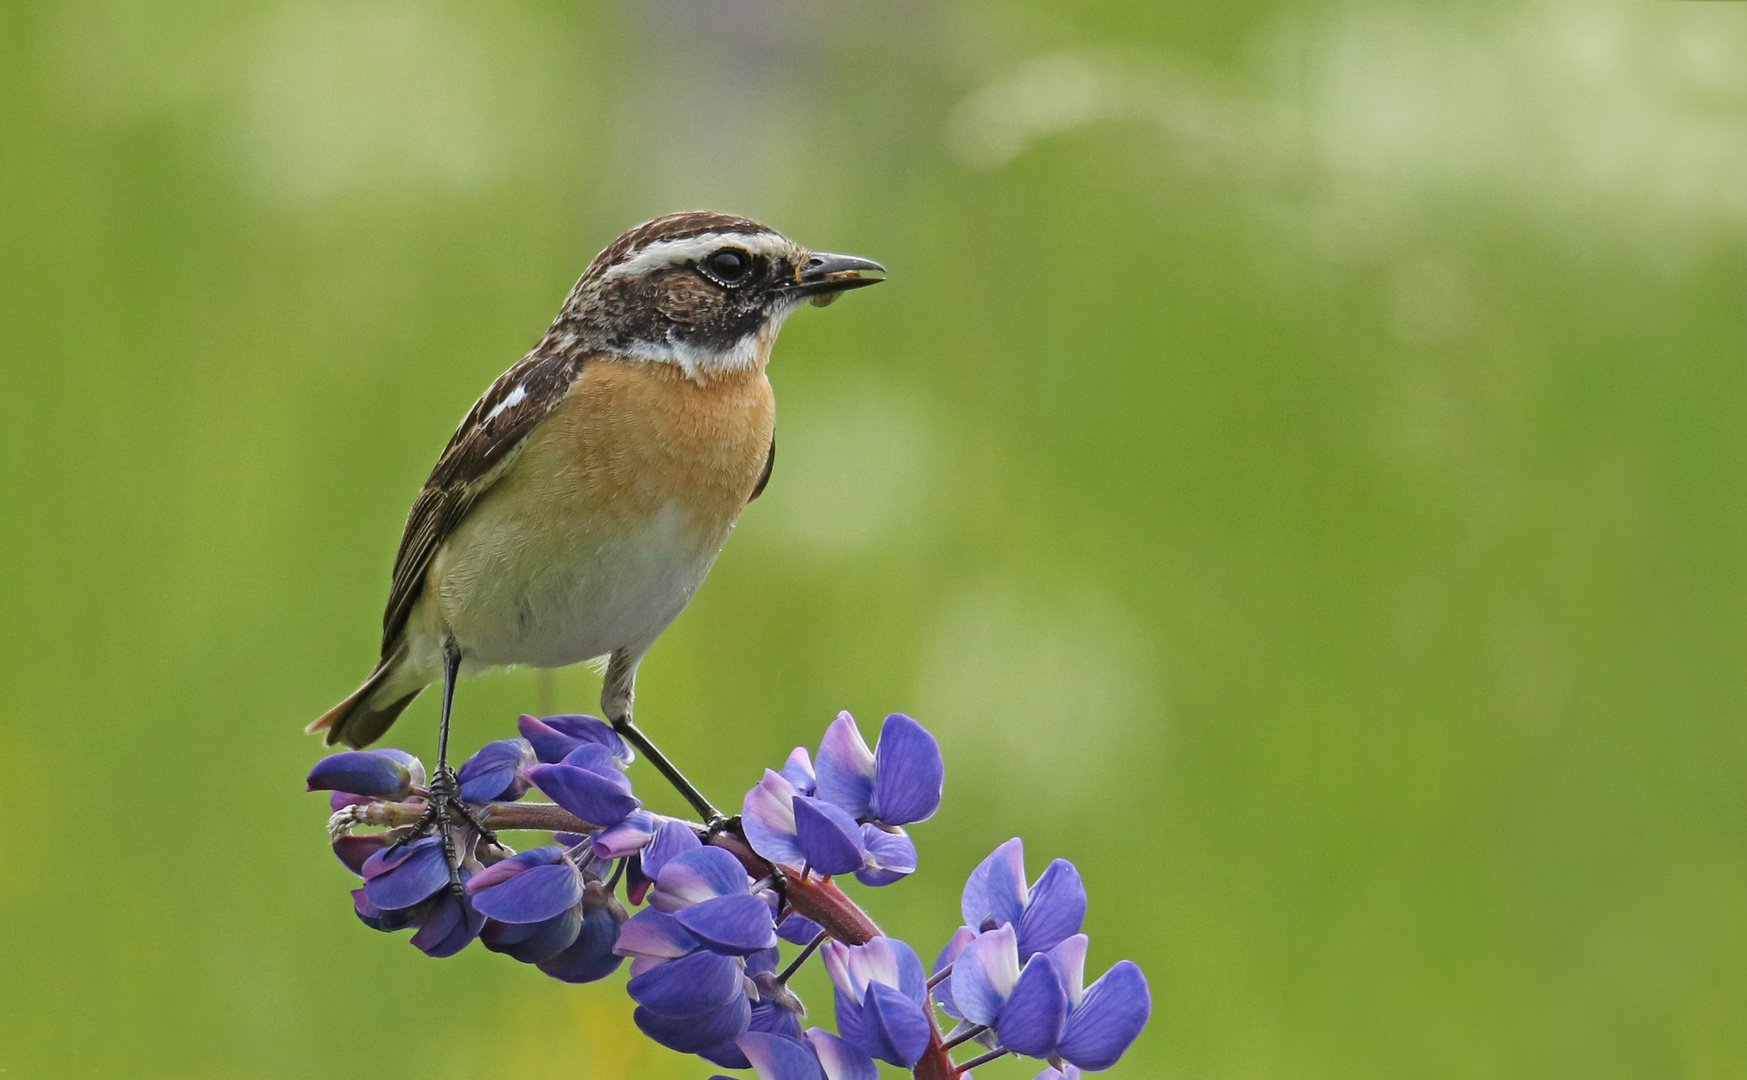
x: 966, y: 1035
x: 981, y: 1059
x: 788, y: 972
x: 940, y: 976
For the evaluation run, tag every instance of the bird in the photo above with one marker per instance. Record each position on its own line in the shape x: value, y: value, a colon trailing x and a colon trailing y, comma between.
x: 587, y: 493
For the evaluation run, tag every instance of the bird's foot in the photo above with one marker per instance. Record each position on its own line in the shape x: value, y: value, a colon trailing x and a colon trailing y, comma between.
x: 440, y: 815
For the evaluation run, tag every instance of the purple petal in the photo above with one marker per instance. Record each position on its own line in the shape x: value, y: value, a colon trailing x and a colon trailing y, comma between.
x: 504, y: 869
x: 594, y: 758
x: 697, y: 876
x: 1031, y: 1021
x: 852, y: 966
x: 387, y: 921
x: 891, y: 856
x: 737, y: 924
x: 996, y: 888
x: 849, y: 1018
x: 763, y: 962
x: 339, y: 800
x: 655, y: 934
x: 1070, y: 963
x: 629, y: 835
x: 830, y: 838
x: 798, y: 771
x: 497, y: 772
x: 449, y: 928
x: 984, y: 974
x: 691, y: 1034
x: 591, y: 796
x: 768, y: 1018
x: 531, y: 943
x: 962, y: 937
x: 692, y: 984
x: 778, y: 1057
x: 354, y: 851
x: 900, y: 1023
x: 671, y: 839
x: 378, y: 774
x: 845, y: 768
x: 1055, y: 908
x: 591, y: 955
x: 553, y: 737
x: 1109, y: 1019
x: 839, y: 1059
x: 767, y: 816
x: 410, y: 880
x: 908, y: 772
x: 533, y: 895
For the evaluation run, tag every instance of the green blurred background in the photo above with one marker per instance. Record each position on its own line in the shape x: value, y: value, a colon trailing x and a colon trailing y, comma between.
x: 1296, y: 466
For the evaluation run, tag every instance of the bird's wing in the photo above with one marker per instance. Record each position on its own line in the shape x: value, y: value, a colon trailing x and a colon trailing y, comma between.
x: 489, y: 437
x: 764, y: 477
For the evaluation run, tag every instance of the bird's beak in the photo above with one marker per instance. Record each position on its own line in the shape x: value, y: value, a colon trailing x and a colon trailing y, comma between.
x: 824, y: 277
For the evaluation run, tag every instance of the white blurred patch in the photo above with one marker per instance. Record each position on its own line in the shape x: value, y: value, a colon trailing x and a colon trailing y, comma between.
x: 1038, y: 681
x: 316, y: 99
x: 1605, y: 120
x: 1061, y: 92
x: 373, y: 94
x: 855, y: 468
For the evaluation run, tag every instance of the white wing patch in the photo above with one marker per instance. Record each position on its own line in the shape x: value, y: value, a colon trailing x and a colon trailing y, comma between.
x: 516, y: 397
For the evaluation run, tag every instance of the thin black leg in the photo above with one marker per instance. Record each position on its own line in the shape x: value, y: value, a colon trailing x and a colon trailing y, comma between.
x: 445, y: 788
x: 712, y: 816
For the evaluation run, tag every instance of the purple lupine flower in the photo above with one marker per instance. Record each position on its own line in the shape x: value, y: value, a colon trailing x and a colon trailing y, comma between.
x: 354, y: 851
x: 373, y: 774
x: 819, y: 1055
x: 1042, y: 916
x: 1043, y: 1009
x: 775, y: 1010
x: 891, y: 855
x: 450, y: 924
x: 627, y: 837
x: 589, y: 783
x: 1105, y: 1018
x: 407, y: 886
x: 533, y: 901
x: 897, y: 783
x: 591, y: 955
x: 689, y: 946
x: 554, y: 738
x: 498, y: 772
x: 882, y: 998
x: 400, y: 877
x: 798, y: 830
x: 798, y: 771
x: 1026, y: 1008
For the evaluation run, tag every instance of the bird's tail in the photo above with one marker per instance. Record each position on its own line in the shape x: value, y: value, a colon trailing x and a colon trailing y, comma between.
x: 371, y: 709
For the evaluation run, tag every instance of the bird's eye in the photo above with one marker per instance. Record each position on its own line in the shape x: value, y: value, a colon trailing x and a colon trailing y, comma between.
x: 728, y: 266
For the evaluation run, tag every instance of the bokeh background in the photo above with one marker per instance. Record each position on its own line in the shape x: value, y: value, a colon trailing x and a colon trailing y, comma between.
x: 1296, y: 466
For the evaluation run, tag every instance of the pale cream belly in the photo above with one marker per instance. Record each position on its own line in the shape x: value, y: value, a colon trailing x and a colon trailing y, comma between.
x: 559, y: 592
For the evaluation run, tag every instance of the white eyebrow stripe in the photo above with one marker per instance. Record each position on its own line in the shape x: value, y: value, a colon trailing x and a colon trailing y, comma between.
x: 514, y: 398
x: 663, y: 253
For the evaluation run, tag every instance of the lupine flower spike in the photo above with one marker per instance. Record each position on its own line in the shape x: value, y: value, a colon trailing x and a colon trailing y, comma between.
x: 716, y: 904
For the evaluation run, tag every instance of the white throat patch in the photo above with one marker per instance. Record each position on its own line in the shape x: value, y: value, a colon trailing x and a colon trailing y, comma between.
x: 700, y: 364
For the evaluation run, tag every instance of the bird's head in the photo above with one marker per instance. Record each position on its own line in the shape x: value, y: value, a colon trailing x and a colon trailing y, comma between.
x: 702, y: 290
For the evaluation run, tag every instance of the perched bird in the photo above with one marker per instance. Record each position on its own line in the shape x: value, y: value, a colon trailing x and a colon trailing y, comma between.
x: 587, y: 493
